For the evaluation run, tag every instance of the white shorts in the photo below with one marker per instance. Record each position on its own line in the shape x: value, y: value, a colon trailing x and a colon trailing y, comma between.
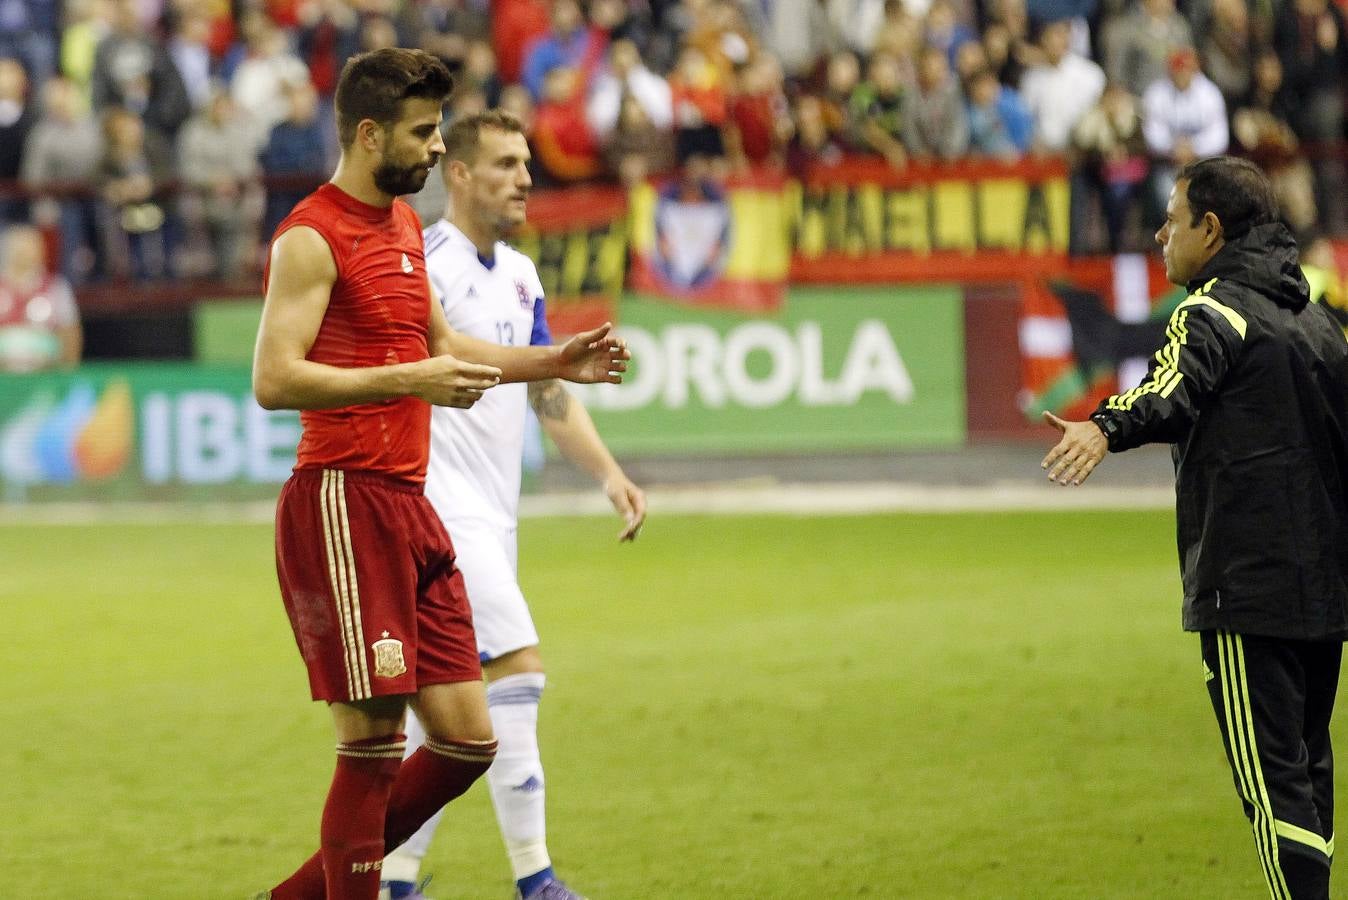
x: 488, y: 557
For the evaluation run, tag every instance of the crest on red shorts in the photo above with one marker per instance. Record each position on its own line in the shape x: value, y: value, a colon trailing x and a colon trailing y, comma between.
x: 388, y: 657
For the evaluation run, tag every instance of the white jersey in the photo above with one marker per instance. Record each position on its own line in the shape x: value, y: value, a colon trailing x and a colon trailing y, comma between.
x: 474, y: 469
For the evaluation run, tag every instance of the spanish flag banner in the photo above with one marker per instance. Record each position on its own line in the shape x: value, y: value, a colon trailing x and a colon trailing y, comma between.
x: 708, y: 244
x: 862, y: 220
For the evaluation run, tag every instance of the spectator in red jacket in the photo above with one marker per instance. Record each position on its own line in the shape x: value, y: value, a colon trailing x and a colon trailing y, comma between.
x: 564, y: 146
x: 759, y: 117
x: 701, y: 109
x: 515, y: 24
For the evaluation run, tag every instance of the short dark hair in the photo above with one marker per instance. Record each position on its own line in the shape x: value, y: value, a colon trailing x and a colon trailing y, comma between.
x: 464, y: 136
x: 1235, y: 190
x: 979, y: 73
x: 1041, y: 26
x: 374, y: 85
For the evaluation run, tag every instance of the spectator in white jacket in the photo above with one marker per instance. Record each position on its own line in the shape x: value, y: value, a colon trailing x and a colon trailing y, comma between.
x: 1183, y: 119
x: 260, y: 82
x: 626, y: 75
x: 1061, y: 91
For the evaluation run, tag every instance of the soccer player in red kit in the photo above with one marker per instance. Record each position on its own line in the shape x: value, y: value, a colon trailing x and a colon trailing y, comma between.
x: 351, y: 337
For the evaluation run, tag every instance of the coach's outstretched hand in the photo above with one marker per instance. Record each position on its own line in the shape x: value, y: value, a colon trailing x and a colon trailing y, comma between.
x: 1074, y: 457
x: 594, y: 356
x: 445, y: 380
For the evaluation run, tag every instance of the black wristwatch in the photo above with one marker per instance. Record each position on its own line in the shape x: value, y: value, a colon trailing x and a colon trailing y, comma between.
x: 1108, y: 425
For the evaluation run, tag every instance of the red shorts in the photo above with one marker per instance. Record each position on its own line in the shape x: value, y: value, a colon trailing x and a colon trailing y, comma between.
x: 369, y: 582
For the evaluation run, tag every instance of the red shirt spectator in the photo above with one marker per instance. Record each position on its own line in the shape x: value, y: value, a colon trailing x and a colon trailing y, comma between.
x: 700, y: 106
x: 515, y: 24
x: 697, y: 95
x: 757, y: 113
x: 564, y: 144
x: 39, y: 321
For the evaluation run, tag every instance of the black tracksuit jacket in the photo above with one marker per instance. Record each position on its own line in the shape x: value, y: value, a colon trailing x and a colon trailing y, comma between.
x: 1252, y: 393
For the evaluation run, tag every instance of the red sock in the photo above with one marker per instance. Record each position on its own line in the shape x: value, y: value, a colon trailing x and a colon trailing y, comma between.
x: 348, y: 865
x: 430, y: 778
x: 305, y: 884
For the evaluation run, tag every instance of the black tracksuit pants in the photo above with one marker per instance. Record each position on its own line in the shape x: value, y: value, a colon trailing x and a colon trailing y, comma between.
x: 1274, y: 698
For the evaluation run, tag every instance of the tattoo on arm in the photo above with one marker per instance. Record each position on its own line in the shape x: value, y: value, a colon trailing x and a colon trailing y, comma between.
x: 549, y: 399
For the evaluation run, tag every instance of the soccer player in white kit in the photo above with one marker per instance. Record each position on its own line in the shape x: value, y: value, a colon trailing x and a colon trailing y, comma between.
x: 492, y: 292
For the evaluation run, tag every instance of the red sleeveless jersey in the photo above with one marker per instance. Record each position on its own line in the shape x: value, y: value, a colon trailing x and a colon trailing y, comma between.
x: 378, y: 314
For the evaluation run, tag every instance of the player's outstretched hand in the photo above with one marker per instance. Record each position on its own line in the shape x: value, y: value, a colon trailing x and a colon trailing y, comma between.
x: 630, y: 502
x: 448, y: 381
x: 1077, y: 454
x: 594, y: 356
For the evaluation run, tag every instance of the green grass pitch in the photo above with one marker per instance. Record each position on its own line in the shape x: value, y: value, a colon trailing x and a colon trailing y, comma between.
x: 980, y: 706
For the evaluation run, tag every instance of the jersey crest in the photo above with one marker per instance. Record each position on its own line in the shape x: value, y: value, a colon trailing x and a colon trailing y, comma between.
x: 388, y: 657
x: 526, y: 302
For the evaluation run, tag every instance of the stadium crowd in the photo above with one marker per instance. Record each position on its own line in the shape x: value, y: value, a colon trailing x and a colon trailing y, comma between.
x: 163, y: 138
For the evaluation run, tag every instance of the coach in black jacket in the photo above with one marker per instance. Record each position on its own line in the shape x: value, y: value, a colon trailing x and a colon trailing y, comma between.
x: 1252, y: 392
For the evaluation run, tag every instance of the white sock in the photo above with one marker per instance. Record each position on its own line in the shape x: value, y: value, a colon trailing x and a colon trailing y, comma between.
x: 516, y: 777
x: 404, y: 864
